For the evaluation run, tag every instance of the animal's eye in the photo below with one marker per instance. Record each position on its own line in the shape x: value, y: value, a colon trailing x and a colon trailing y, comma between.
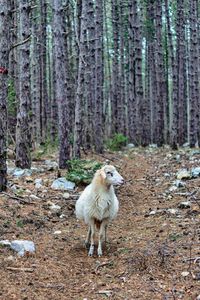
x: 110, y: 173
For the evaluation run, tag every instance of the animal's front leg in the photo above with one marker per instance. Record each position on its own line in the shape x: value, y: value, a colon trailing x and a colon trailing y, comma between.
x: 102, y: 233
x: 92, y: 235
x: 87, y: 241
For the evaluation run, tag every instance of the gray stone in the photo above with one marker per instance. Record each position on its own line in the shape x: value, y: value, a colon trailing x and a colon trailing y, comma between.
x: 130, y: 146
x: 66, y: 195
x: 5, y: 243
x: 167, y: 175
x: 22, y: 247
x: 172, y: 188
x: 178, y: 183
x: 63, y: 184
x: 183, y: 174
x: 173, y: 211
x: 185, y: 204
x: 38, y: 183
x: 51, y: 165
x: 55, y: 208
x: 185, y: 274
x: 195, y: 172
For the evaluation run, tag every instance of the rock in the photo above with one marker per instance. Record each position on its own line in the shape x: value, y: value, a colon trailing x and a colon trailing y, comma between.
x: 195, y: 172
x: 186, y: 145
x: 51, y: 165
x: 173, y: 211
x: 34, y: 197
x: 185, y: 274
x: 184, y: 205
x: 57, y: 232
x: 63, y: 184
x: 55, y: 208
x: 23, y: 247
x: 172, y: 188
x: 153, y: 146
x: 178, y: 158
x: 38, y: 183
x: 167, y: 175
x: 152, y: 213
x: 178, y: 183
x: 62, y: 216
x: 29, y: 179
x: 130, y: 146
x: 183, y: 174
x: 66, y: 195
x: 18, y: 172
x: 5, y: 243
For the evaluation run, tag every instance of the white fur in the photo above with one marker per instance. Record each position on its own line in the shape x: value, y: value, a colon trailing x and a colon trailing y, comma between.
x: 98, y: 203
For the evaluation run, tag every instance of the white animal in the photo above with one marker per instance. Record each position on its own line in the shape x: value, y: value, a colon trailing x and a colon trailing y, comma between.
x: 98, y: 204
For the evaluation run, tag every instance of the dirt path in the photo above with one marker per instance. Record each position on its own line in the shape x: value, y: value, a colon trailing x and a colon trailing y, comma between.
x: 145, y: 256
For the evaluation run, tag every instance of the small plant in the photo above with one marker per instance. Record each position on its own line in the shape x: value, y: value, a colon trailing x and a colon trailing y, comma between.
x: 82, y: 171
x: 117, y: 142
x: 19, y: 223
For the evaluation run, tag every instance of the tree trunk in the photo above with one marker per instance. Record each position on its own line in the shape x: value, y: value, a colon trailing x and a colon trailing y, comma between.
x: 99, y: 76
x: 23, y: 131
x: 61, y: 81
x: 78, y: 130
x: 5, y: 21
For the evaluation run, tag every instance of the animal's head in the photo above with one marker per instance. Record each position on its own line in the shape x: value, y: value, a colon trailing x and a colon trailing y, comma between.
x: 110, y: 175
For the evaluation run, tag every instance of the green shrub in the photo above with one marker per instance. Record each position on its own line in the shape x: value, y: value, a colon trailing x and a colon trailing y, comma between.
x: 82, y: 171
x: 117, y: 142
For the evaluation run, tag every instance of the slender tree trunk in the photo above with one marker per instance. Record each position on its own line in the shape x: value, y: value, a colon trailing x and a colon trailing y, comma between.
x: 99, y: 76
x: 23, y: 131
x: 61, y: 74
x: 5, y: 21
x: 78, y: 130
x: 193, y: 75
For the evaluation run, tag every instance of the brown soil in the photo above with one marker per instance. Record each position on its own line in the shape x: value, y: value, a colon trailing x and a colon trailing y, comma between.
x: 145, y: 254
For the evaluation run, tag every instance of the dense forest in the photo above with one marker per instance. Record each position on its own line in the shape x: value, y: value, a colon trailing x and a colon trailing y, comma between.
x: 74, y: 73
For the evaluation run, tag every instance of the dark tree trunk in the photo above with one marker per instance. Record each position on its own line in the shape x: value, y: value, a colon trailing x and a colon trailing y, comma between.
x: 23, y: 131
x: 61, y: 74
x: 99, y: 76
x: 78, y: 130
x: 5, y: 21
x: 193, y: 75
x: 115, y: 95
x: 160, y: 78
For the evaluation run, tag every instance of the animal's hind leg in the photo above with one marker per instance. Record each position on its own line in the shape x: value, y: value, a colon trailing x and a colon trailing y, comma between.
x: 87, y: 241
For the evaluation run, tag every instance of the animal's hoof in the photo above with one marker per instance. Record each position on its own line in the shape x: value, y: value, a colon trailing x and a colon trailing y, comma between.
x: 99, y: 252
x: 91, y: 251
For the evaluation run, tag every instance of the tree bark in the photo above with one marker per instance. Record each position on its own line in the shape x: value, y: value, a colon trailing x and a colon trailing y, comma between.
x: 5, y: 21
x: 23, y: 131
x: 61, y: 74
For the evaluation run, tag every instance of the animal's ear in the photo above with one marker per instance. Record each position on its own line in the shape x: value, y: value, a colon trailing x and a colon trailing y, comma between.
x: 103, y: 173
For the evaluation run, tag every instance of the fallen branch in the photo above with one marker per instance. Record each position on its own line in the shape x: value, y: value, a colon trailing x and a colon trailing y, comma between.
x: 109, y: 263
x: 29, y: 270
x: 21, y: 200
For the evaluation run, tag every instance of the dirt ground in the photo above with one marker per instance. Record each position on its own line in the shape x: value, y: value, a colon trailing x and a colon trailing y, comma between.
x: 152, y: 252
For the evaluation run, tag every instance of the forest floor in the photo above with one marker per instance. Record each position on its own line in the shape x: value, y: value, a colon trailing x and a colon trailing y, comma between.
x: 153, y: 249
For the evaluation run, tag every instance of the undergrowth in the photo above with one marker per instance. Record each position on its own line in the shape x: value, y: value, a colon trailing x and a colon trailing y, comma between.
x: 82, y: 171
x: 117, y: 142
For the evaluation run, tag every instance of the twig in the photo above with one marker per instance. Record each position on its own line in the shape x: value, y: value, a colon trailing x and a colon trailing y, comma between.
x: 17, y: 198
x: 29, y: 270
x: 102, y: 265
x: 21, y: 43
